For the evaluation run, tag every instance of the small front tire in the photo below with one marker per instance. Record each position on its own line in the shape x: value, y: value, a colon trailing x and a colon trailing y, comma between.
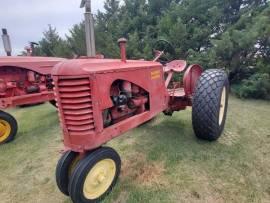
x: 95, y: 176
x: 64, y: 169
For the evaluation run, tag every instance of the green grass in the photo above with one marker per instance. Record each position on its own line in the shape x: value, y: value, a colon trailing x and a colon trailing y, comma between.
x: 162, y: 161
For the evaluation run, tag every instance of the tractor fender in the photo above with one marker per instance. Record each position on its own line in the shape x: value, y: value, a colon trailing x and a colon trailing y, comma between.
x: 191, y: 77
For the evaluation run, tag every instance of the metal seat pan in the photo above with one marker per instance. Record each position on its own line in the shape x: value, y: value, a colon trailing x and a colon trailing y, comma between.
x: 177, y: 66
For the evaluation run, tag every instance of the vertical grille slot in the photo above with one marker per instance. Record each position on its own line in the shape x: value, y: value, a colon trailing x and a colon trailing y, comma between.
x: 76, y: 104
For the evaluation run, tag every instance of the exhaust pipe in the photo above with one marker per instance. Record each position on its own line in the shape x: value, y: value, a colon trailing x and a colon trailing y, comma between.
x: 6, y: 42
x: 122, y: 43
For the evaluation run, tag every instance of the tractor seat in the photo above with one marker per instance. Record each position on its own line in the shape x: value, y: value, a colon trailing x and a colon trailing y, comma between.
x: 177, y: 66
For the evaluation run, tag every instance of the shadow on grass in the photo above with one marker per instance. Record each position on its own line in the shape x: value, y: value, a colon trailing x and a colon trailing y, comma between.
x: 173, y: 141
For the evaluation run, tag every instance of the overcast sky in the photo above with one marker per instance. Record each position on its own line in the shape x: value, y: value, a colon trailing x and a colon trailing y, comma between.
x: 26, y: 20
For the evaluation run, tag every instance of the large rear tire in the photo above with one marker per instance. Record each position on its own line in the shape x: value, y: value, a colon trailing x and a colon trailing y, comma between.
x: 210, y: 104
x: 8, y: 127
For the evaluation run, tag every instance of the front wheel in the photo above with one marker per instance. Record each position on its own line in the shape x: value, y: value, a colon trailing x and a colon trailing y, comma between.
x: 64, y: 169
x: 95, y: 176
x: 8, y: 127
x: 210, y: 104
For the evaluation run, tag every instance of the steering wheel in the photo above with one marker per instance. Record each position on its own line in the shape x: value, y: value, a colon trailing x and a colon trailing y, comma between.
x: 167, y: 48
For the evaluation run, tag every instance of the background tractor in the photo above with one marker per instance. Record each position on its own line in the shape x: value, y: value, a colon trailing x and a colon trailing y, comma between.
x: 23, y: 81
x: 100, y: 99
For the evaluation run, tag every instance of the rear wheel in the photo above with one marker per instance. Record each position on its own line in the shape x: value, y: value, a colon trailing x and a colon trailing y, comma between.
x: 8, y: 127
x: 210, y: 104
x: 95, y: 176
x: 64, y: 169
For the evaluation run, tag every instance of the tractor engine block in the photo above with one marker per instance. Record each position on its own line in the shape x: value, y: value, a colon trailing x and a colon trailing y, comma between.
x: 128, y: 100
x: 17, y: 81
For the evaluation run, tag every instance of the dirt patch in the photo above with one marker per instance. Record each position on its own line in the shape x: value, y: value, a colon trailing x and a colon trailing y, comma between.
x: 122, y: 198
x: 268, y: 191
x: 196, y: 194
x: 144, y: 172
x: 151, y: 174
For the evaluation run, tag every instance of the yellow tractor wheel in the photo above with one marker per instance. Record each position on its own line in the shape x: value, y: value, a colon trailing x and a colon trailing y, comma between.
x: 8, y: 127
x: 95, y: 176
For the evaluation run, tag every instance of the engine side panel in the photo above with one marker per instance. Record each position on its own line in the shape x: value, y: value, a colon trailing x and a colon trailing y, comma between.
x: 131, y: 98
x: 150, y: 79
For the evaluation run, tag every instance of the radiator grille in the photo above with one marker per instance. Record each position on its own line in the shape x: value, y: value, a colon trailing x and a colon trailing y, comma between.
x: 76, y: 104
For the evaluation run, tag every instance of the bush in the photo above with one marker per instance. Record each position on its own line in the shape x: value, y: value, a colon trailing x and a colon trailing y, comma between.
x: 257, y: 86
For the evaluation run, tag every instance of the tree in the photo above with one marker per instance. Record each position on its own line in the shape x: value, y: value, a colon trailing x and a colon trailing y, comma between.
x: 229, y: 34
x: 76, y: 40
x: 53, y: 45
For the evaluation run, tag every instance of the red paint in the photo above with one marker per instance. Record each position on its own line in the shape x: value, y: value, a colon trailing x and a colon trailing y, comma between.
x: 100, y: 99
x: 177, y: 66
x: 191, y: 77
x: 26, y: 80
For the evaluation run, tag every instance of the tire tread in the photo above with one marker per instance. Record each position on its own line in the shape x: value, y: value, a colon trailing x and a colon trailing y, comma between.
x: 206, y: 103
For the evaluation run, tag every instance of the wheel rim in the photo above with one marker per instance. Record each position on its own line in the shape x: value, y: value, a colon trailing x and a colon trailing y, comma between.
x: 222, y: 106
x: 99, y: 179
x: 5, y: 130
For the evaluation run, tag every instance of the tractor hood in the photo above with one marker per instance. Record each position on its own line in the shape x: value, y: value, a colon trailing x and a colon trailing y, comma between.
x: 38, y: 64
x: 90, y: 66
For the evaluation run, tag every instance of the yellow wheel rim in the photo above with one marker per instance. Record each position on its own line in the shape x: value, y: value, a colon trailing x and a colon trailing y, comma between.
x: 5, y: 130
x: 222, y: 105
x: 99, y: 179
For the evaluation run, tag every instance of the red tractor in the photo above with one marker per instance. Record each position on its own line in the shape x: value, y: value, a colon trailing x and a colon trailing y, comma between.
x: 100, y: 99
x: 23, y: 81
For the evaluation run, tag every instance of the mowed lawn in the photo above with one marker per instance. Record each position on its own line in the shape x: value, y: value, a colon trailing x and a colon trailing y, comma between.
x: 162, y: 161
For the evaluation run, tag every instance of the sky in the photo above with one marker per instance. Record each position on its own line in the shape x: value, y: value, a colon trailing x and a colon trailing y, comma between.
x: 27, y: 20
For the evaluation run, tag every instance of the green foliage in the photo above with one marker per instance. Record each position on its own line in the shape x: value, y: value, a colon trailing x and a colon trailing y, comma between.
x: 76, y: 40
x: 53, y: 45
x: 257, y: 86
x: 231, y: 34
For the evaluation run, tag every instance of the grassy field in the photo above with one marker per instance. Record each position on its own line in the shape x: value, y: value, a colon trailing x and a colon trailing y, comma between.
x: 162, y: 160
